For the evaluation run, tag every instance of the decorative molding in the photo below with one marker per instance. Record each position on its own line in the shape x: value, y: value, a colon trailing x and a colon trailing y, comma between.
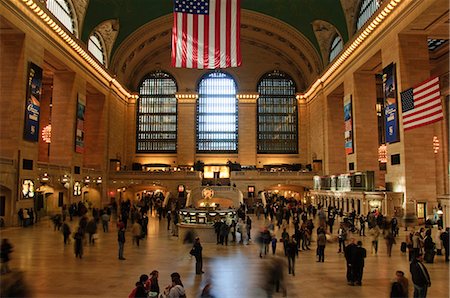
x: 186, y: 97
x: 350, y: 8
x: 108, y: 30
x: 80, y: 7
x: 247, y: 97
x: 325, y: 32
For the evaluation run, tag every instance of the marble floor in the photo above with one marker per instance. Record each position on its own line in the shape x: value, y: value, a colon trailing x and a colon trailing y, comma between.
x: 51, y: 269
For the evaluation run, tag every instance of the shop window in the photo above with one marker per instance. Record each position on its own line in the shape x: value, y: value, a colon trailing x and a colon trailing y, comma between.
x: 157, y: 114
x: 277, y: 114
x: 217, y: 114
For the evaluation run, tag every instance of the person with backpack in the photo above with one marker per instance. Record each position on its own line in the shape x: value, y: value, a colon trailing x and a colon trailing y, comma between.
x: 196, y: 251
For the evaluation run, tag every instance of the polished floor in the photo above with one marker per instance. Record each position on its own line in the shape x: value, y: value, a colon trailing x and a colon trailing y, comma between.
x: 51, y: 269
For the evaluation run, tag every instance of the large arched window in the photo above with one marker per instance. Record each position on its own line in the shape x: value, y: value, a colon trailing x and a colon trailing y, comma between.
x: 336, y: 47
x: 95, y: 46
x: 62, y: 10
x: 156, y: 129
x: 366, y: 10
x: 277, y: 114
x: 217, y: 114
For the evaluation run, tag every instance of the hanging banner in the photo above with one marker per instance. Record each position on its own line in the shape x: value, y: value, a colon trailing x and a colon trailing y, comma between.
x: 79, y: 135
x: 33, y: 103
x: 390, y: 104
x: 348, y: 122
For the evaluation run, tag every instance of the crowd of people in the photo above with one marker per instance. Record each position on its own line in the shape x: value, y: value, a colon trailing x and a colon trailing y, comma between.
x: 287, y: 222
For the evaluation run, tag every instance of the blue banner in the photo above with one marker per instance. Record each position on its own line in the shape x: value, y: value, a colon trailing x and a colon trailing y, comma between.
x: 390, y: 104
x: 33, y: 103
x: 348, y: 124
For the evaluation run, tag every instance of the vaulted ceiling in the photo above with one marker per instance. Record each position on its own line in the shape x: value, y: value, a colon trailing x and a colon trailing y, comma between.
x: 300, y: 14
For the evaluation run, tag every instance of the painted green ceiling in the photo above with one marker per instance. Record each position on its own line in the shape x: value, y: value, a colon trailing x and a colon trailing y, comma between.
x: 132, y: 14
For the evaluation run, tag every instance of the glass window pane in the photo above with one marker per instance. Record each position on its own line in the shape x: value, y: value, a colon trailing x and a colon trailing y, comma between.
x: 61, y: 10
x: 277, y: 114
x: 336, y: 47
x: 96, y: 48
x: 367, y: 9
x: 156, y: 129
x: 217, y: 114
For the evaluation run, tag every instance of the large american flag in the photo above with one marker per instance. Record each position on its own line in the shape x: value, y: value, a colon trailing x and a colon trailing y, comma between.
x: 422, y: 105
x: 206, y: 34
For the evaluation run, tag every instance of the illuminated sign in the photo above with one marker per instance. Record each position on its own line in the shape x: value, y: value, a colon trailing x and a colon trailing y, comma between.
x: 28, y: 189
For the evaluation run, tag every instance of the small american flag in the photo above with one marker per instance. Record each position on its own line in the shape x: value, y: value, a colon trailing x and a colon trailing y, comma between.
x: 422, y: 105
x: 206, y: 34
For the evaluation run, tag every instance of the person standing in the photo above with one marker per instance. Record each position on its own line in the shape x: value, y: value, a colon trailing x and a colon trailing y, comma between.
x: 349, y: 252
x: 291, y: 252
x: 421, y: 278
x: 121, y: 240
x: 78, y: 243
x: 196, y: 251
x: 6, y: 248
x: 444, y: 238
x: 399, y: 288
x: 91, y: 229
x: 136, y: 231
x: 375, y: 236
x: 358, y: 263
x: 169, y: 218
x: 249, y: 227
x: 105, y: 221
x: 321, y: 242
x: 66, y: 232
x: 342, y: 234
x: 390, y: 241
x: 274, y: 244
x: 362, y: 226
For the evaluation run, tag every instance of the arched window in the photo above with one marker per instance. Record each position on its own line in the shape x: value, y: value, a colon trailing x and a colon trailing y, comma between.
x: 336, y: 47
x: 95, y: 46
x: 277, y: 114
x: 217, y: 114
x: 366, y: 10
x: 62, y: 10
x: 156, y: 129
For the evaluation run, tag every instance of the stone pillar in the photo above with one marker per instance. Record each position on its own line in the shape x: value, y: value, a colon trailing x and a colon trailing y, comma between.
x: 365, y: 123
x: 419, y: 158
x: 12, y: 92
x: 303, y: 131
x: 44, y: 120
x: 334, y: 134
x: 63, y: 118
x: 187, y: 130
x: 247, y: 128
x: 95, y: 131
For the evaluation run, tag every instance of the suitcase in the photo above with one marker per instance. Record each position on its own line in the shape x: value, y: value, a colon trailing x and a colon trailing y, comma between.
x: 403, y: 247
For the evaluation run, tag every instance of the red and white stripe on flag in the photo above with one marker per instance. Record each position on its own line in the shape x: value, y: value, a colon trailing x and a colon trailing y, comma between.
x: 425, y: 106
x: 207, y: 41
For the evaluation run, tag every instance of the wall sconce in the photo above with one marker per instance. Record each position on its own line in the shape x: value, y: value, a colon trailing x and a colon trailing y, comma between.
x: 99, y: 180
x: 65, y: 179
x: 435, y: 144
x: 45, y: 178
x: 87, y: 180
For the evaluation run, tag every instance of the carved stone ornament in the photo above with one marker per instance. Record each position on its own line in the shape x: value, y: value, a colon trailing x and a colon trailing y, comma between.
x: 350, y: 8
x: 325, y: 32
x: 80, y: 7
x: 108, y: 30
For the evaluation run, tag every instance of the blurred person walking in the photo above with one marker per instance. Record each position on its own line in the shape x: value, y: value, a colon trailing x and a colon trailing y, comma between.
x: 6, y: 248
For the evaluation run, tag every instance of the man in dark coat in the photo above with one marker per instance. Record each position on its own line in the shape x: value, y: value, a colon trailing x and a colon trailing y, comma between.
x: 358, y: 263
x: 196, y: 251
x: 291, y: 252
x: 121, y: 240
x: 421, y: 278
x: 349, y: 251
